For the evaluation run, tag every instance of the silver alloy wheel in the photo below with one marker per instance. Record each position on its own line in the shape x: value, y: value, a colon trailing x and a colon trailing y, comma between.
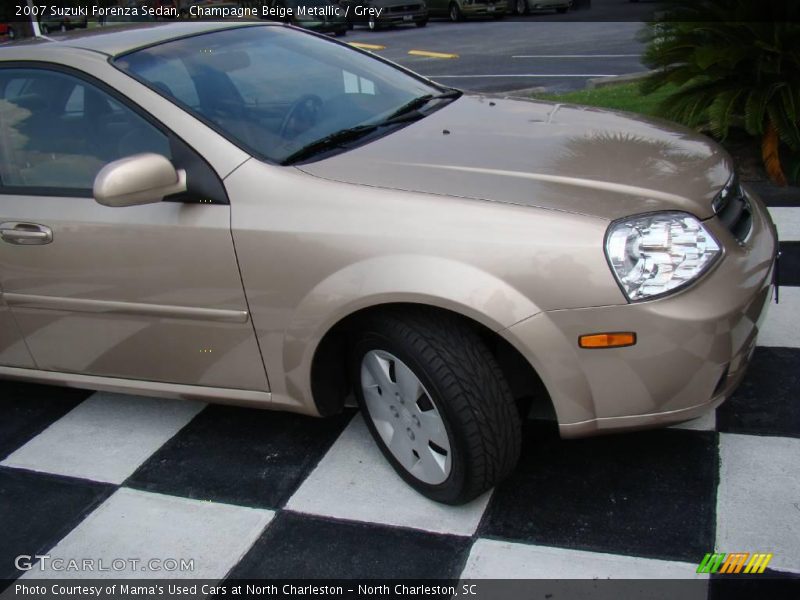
x: 406, y: 417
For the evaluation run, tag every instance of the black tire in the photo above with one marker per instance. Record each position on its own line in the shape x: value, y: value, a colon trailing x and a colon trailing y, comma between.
x: 465, y: 384
x: 521, y: 7
x: 421, y: 23
x: 454, y: 13
x: 44, y: 29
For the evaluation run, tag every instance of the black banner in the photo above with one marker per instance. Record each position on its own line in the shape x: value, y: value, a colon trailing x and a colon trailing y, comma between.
x: 767, y: 586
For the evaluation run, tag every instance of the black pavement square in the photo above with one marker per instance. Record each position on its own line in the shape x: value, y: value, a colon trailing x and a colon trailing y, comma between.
x: 790, y: 264
x: 774, y: 585
x: 296, y: 546
x: 27, y: 409
x: 766, y: 402
x: 239, y: 456
x: 649, y: 494
x: 38, y: 509
x: 772, y: 195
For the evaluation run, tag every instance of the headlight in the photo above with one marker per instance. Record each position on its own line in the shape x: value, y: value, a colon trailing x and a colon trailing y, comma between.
x: 654, y: 254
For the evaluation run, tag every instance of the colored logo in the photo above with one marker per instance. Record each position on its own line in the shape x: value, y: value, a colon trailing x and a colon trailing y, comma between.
x: 735, y: 562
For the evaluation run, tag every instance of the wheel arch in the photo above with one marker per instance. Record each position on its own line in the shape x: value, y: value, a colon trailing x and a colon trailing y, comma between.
x: 329, y: 376
x: 379, y: 281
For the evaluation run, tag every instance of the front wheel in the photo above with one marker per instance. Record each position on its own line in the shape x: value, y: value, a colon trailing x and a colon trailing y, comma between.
x: 455, y: 12
x: 373, y: 24
x: 436, y: 403
x: 521, y: 7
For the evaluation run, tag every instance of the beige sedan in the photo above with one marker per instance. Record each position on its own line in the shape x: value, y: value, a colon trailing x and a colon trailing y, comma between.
x: 258, y: 215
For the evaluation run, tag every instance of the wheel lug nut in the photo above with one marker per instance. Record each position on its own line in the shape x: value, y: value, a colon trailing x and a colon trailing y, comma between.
x: 410, y: 434
x: 415, y: 418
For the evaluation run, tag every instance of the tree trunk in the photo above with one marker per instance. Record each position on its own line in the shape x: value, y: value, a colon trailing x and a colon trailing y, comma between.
x: 770, y: 147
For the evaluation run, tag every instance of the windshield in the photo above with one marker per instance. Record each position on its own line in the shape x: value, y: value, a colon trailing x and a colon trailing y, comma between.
x: 275, y: 90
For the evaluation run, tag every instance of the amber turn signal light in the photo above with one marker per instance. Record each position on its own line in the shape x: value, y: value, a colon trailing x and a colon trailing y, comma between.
x: 607, y: 340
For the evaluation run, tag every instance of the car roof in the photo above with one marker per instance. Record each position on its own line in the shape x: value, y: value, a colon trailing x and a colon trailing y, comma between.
x: 113, y: 41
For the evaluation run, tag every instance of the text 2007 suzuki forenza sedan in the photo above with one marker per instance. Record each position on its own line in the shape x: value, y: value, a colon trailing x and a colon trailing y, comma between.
x: 258, y: 215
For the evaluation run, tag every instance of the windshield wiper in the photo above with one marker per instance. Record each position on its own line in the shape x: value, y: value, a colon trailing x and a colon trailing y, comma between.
x: 407, y: 112
x: 329, y: 141
x: 419, y: 102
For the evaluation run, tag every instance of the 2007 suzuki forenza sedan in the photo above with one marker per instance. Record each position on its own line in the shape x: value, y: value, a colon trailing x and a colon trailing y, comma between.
x: 258, y: 215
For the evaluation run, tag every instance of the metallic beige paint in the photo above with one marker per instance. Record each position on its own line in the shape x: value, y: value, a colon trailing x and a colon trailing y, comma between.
x: 686, y: 343
x: 568, y: 158
x: 336, y: 248
x: 147, y: 292
x: 13, y: 351
x: 495, y: 209
x: 138, y: 179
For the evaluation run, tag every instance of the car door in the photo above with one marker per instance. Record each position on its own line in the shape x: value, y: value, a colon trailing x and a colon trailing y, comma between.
x: 148, y: 292
x: 13, y: 352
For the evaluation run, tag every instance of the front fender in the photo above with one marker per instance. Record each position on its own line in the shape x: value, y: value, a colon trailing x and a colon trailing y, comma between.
x: 417, y: 279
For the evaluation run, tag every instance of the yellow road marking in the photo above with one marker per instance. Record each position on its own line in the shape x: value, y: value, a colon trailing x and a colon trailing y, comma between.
x: 367, y: 46
x: 432, y: 54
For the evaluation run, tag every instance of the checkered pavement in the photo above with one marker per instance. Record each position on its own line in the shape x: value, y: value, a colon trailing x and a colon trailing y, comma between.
x: 257, y: 494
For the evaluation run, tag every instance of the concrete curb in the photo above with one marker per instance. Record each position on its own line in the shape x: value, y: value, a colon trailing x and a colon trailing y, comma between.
x: 599, y: 82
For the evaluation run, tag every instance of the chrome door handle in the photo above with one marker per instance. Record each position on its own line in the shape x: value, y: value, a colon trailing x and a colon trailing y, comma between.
x: 25, y: 234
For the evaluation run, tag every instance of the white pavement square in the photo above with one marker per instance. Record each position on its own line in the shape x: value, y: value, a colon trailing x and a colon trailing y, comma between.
x: 758, y: 500
x: 509, y: 560
x: 353, y: 481
x: 105, y: 438
x: 787, y: 220
x: 153, y: 527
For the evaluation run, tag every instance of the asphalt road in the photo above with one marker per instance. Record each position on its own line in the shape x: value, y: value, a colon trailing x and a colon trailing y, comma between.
x: 559, y: 52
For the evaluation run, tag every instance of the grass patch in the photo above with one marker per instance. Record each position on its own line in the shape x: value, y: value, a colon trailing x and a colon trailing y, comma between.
x: 623, y: 96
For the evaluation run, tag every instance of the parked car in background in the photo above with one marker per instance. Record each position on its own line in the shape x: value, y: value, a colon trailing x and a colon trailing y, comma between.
x: 51, y: 24
x: 523, y: 7
x: 259, y: 215
x: 7, y: 31
x: 322, y: 16
x: 457, y: 10
x: 377, y: 14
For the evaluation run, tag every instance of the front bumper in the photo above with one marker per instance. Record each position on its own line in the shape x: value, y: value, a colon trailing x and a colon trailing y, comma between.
x: 474, y: 11
x: 403, y: 18
x: 692, y: 348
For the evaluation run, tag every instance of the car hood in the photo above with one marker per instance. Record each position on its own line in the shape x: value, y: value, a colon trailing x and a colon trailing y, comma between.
x: 577, y: 159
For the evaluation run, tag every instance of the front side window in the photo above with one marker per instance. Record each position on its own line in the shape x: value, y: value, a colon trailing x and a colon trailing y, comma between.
x: 274, y: 90
x: 57, y: 131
